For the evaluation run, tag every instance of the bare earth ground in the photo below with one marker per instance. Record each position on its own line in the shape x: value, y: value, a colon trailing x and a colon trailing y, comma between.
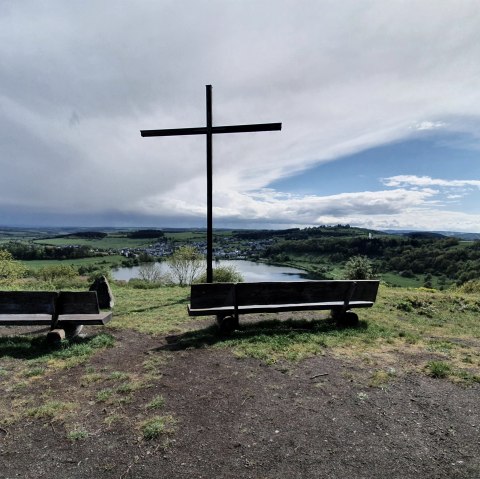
x: 238, y: 418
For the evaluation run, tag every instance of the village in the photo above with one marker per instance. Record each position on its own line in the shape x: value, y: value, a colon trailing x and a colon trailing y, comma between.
x: 224, y: 248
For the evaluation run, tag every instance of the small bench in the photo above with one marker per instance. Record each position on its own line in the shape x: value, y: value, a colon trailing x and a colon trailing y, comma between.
x: 228, y: 300
x: 60, y: 310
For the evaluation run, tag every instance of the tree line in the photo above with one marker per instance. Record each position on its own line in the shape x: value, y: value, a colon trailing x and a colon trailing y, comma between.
x: 32, y: 251
x: 447, y: 257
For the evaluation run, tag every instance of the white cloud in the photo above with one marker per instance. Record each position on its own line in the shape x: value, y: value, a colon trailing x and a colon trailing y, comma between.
x: 425, y: 181
x: 429, y: 125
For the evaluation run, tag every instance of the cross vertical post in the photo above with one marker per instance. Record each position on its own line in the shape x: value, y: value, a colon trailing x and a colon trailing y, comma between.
x: 209, y: 187
x: 209, y: 131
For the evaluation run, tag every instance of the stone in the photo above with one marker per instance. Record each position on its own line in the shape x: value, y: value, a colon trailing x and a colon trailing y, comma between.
x: 104, y: 293
x: 55, y: 336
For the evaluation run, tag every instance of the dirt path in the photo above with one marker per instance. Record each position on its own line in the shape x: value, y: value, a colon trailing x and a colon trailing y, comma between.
x: 238, y: 418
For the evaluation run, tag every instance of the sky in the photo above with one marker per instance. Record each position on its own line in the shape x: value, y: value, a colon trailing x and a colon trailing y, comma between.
x: 379, y: 103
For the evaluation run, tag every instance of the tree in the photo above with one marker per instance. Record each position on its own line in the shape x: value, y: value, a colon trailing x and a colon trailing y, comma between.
x: 186, y: 263
x: 358, y: 267
x: 150, y: 272
x: 10, y: 269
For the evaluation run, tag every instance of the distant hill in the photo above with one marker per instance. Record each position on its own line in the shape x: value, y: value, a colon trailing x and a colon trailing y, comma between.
x: 424, y: 235
x: 454, y: 234
x: 85, y: 235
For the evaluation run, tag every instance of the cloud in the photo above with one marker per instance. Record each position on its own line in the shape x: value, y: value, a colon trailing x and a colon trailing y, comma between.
x: 425, y: 181
x: 80, y: 79
x: 429, y: 125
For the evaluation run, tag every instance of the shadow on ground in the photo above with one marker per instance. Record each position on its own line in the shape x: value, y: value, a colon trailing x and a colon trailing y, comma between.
x: 210, y: 335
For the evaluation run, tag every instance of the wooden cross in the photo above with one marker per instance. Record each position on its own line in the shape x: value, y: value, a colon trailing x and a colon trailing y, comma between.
x: 209, y: 130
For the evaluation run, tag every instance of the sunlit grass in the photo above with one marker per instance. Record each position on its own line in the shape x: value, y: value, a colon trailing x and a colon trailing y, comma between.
x: 154, y: 311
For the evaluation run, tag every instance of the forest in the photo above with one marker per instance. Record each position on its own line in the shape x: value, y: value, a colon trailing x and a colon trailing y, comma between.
x: 437, y: 255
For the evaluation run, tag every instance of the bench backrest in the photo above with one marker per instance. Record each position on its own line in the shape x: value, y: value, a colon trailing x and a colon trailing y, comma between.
x: 28, y: 302
x: 292, y: 292
x: 77, y: 302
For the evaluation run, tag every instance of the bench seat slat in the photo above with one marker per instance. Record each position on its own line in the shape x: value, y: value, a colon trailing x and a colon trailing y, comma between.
x: 25, y: 319
x: 86, y: 319
x: 277, y: 308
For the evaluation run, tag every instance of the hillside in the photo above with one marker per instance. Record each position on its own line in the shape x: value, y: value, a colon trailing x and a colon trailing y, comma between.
x: 155, y: 394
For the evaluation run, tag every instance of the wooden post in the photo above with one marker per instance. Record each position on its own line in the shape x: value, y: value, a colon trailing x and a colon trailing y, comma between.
x: 209, y: 187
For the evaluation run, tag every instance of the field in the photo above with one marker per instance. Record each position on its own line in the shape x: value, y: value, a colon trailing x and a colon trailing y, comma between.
x: 155, y: 394
x: 107, y: 261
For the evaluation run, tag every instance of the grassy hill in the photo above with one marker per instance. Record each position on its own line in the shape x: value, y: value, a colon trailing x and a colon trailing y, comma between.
x: 289, y: 395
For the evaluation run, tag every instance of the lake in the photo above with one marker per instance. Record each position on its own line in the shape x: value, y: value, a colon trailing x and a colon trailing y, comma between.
x: 251, y: 271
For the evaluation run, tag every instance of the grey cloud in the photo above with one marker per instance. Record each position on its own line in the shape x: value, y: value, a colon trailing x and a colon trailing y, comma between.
x: 80, y: 79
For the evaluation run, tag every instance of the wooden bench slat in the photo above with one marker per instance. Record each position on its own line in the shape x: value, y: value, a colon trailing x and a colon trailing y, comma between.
x: 274, y: 308
x: 86, y: 319
x: 27, y: 302
x: 25, y: 319
x: 303, y: 292
x: 77, y: 302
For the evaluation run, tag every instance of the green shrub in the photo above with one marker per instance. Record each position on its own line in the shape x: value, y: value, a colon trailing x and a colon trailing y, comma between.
x: 358, y: 267
x: 470, y: 287
x: 223, y: 274
x: 10, y: 269
x: 138, y: 283
x: 438, y: 369
x: 99, y: 272
x: 55, y: 272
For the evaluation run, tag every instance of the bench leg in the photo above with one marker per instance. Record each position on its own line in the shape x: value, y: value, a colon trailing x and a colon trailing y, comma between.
x: 227, y: 324
x: 64, y: 331
x: 54, y: 336
x: 72, y: 330
x: 345, y: 319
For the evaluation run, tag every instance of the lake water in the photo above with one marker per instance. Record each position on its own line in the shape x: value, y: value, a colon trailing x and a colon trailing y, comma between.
x: 251, y: 271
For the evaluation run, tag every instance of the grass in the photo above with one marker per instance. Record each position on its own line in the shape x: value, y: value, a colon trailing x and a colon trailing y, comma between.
x: 104, y: 395
x: 157, y: 426
x: 154, y: 311
x: 418, y: 321
x: 106, y: 261
x: 156, y: 403
x: 77, y: 434
x: 37, y: 348
x: 51, y: 410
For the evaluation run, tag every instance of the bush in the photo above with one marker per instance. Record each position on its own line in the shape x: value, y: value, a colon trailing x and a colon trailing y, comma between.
x: 470, y: 287
x: 137, y: 283
x: 151, y: 273
x: 223, y: 274
x: 97, y: 273
x: 358, y: 267
x: 55, y: 272
x: 10, y: 269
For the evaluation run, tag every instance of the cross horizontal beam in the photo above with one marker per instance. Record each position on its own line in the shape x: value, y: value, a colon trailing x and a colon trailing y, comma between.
x: 215, y: 129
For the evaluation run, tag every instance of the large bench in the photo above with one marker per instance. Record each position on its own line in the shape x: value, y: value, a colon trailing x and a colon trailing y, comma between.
x: 228, y: 300
x: 64, y: 310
